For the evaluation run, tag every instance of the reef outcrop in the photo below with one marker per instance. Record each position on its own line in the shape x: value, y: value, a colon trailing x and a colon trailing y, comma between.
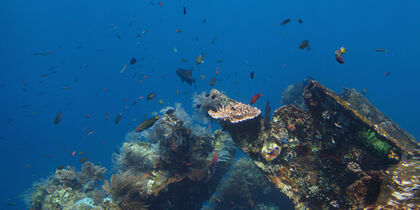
x: 333, y: 152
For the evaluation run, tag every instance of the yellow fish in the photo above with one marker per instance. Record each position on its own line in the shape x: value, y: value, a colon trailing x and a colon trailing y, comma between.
x: 202, y: 77
x: 343, y: 50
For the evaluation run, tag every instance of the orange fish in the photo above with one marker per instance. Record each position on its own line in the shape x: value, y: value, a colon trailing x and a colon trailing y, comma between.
x: 90, y: 132
x: 188, y: 164
x: 255, y: 98
x: 160, y: 4
x: 217, y: 70
x: 73, y: 153
x: 215, y: 158
x: 141, y: 97
x: 178, y: 31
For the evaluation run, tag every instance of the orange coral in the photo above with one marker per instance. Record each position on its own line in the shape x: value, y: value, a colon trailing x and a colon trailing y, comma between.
x: 235, y: 112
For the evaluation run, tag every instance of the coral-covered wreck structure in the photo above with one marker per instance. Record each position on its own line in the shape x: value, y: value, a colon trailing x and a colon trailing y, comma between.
x: 321, y: 150
x: 339, y: 153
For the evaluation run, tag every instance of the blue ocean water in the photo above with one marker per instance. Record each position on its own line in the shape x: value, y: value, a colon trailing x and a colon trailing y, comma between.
x: 91, y: 41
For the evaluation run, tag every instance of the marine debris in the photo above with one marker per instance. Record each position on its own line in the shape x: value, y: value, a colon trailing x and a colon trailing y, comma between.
x: 333, y: 155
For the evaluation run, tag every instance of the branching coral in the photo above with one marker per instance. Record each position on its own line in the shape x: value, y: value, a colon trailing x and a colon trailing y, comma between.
x: 235, y: 112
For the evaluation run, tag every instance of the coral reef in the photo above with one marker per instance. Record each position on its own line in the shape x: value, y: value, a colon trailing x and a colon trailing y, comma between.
x: 178, y: 159
x: 69, y: 189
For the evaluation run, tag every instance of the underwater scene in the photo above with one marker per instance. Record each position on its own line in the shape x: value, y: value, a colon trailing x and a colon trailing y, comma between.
x: 240, y: 104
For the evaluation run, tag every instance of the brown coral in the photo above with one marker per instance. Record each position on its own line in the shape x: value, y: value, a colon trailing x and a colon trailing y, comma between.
x: 235, y: 112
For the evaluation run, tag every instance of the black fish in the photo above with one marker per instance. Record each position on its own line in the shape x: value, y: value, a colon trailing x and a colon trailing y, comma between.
x: 267, y: 115
x: 185, y: 10
x: 300, y: 21
x: 58, y: 118
x: 186, y: 75
x: 151, y: 96
x: 252, y: 75
x: 133, y: 61
x: 285, y: 21
x: 118, y: 118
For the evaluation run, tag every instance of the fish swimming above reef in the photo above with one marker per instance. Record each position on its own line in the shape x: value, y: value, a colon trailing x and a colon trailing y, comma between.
x: 184, y: 10
x: 305, y: 44
x: 146, y: 124
x: 339, y: 54
x: 118, y: 118
x: 186, y: 75
x: 285, y: 21
x: 57, y: 118
x: 381, y: 50
x: 133, y: 61
x: 251, y: 75
x: 151, y: 96
x: 199, y: 59
x: 255, y: 98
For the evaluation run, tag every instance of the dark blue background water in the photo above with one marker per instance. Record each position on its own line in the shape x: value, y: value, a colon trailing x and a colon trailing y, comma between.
x: 88, y: 56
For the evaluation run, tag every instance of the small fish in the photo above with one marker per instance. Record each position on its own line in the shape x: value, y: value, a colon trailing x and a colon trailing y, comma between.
x: 212, y: 82
x: 151, y: 96
x: 184, y: 60
x: 220, y: 60
x: 177, y: 91
x: 65, y: 88
x: 202, y: 77
x: 87, y: 116
x: 123, y: 69
x: 160, y: 101
x: 255, y: 98
x: 175, y: 50
x: 213, y: 40
x: 90, y: 132
x: 28, y: 165
x: 364, y: 92
x: 133, y: 61
x: 387, y: 73
x: 300, y: 21
x: 44, y: 75
x: 134, y: 103
x: 305, y: 44
x: 160, y: 4
x: 73, y: 153
x: 213, y: 164
x: 339, y: 59
x: 204, y: 20
x: 251, y: 75
x: 83, y: 159
x: 215, y: 158
x: 382, y: 50
x: 217, y: 70
x: 118, y: 118
x: 178, y: 31
x: 60, y: 167
x: 285, y: 21
x: 144, y: 32
x: 199, y: 59
x: 58, y: 118
x: 41, y: 53
x: 184, y: 10
x: 146, y: 124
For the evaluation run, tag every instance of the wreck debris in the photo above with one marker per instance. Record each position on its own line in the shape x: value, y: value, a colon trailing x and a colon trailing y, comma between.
x: 331, y: 156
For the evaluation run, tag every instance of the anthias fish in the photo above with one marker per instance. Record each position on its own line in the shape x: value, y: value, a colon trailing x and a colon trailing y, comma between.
x: 146, y: 124
x: 212, y: 82
x: 255, y: 98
